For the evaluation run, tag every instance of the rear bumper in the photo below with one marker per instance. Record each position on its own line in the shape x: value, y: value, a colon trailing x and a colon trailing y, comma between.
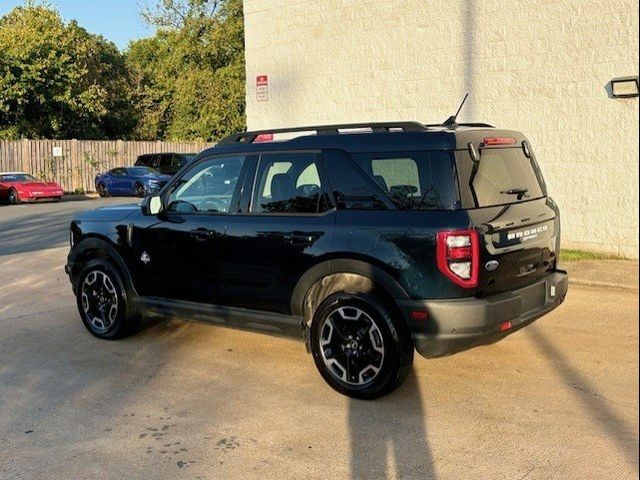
x: 458, y: 324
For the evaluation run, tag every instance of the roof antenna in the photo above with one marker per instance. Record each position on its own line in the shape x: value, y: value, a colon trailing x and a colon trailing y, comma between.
x: 451, y: 121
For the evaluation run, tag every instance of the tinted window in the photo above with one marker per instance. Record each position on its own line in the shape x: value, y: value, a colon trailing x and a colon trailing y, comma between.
x: 208, y: 187
x: 141, y: 171
x: 414, y: 180
x: 145, y: 161
x: 17, y: 177
x: 288, y: 183
x: 502, y: 176
x: 166, y: 160
x: 352, y: 188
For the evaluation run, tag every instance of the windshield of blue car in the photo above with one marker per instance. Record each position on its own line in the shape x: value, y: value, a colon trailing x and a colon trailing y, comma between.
x: 139, y: 171
x: 17, y: 177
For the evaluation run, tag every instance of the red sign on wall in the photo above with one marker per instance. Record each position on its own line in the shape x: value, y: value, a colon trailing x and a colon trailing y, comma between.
x: 262, y: 88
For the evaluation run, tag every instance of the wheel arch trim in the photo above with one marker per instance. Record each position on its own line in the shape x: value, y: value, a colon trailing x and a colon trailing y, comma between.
x: 341, y: 274
x: 104, y: 245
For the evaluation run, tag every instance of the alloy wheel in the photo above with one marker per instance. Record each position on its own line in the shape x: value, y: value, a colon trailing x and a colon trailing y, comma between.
x: 351, y: 346
x: 99, y: 301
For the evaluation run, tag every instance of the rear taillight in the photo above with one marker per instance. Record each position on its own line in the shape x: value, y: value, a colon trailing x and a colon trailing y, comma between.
x: 458, y: 256
x: 496, y: 141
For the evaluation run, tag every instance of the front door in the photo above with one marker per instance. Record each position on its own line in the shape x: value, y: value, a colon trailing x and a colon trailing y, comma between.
x: 180, y: 253
x: 288, y: 227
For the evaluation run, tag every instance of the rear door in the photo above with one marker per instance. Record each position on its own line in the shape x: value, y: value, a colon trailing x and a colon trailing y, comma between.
x: 506, y: 199
x: 288, y: 226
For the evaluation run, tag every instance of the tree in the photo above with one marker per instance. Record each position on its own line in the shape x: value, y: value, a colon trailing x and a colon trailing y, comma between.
x: 190, y: 76
x: 59, y: 81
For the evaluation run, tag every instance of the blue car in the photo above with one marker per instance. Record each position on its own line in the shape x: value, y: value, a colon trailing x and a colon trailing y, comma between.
x: 128, y: 181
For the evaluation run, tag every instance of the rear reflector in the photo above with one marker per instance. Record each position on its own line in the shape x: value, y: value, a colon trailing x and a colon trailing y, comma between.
x: 419, y: 315
x: 458, y: 256
x: 504, y: 326
x: 494, y: 141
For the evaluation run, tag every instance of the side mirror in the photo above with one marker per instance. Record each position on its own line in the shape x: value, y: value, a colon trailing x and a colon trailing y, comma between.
x: 151, y: 205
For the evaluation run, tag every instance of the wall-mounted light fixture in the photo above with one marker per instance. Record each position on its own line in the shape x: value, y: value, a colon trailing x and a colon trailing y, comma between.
x: 624, y: 87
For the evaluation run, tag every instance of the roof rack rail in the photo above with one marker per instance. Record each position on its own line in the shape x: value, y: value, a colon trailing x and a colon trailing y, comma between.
x: 249, y: 137
x: 485, y: 125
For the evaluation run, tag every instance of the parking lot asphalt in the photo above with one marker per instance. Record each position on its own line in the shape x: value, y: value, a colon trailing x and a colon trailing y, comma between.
x: 558, y: 399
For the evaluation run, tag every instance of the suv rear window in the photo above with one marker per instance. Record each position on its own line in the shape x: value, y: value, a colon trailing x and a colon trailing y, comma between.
x: 502, y: 176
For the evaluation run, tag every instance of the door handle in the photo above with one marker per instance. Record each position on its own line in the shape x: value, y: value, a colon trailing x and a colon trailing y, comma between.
x: 202, y: 234
x: 301, y: 239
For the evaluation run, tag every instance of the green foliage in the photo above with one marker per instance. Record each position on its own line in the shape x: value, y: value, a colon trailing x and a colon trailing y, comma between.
x: 189, y: 78
x: 59, y: 81
x: 184, y: 83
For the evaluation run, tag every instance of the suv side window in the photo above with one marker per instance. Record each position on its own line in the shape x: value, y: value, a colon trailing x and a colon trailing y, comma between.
x: 414, y: 180
x: 288, y: 183
x: 208, y: 187
x: 352, y: 188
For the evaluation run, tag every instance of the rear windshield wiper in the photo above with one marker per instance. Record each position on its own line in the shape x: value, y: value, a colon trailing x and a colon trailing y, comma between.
x: 520, y: 192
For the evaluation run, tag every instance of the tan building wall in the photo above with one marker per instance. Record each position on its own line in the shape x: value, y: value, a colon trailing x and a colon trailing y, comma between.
x: 537, y: 66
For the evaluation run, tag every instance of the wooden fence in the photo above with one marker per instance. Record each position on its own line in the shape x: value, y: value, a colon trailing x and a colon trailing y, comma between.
x: 75, y: 163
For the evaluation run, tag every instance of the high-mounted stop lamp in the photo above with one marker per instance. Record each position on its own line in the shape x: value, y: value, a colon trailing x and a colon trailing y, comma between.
x: 624, y: 87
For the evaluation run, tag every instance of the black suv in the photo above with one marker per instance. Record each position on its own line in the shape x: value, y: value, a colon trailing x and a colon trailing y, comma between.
x: 369, y: 240
x: 165, y: 163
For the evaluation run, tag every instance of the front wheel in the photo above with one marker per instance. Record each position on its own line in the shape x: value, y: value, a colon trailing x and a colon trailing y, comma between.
x: 104, y: 305
x: 359, y: 347
x: 14, y: 198
x: 139, y: 190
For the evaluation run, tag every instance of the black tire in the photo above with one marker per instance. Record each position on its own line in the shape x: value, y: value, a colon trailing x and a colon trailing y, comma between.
x: 102, y: 190
x: 387, y: 346
x: 13, y: 198
x: 139, y: 190
x: 105, y: 323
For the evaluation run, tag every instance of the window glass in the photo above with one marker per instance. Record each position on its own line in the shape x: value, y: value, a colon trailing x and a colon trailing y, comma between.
x: 352, y: 188
x: 288, y: 183
x: 414, y: 180
x: 502, y: 176
x: 208, y: 187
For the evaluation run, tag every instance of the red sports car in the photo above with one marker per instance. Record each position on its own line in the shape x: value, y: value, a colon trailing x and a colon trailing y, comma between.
x: 16, y: 187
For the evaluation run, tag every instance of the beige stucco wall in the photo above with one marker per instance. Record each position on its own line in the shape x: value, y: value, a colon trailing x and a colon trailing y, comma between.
x: 536, y: 66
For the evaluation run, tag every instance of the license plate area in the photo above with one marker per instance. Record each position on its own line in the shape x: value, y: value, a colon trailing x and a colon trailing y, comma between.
x: 534, y: 297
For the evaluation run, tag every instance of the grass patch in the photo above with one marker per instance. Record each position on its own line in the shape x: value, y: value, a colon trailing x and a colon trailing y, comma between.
x: 570, y: 255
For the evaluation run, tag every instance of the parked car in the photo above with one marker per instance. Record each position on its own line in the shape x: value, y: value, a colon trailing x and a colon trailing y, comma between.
x: 138, y: 181
x: 17, y: 187
x: 371, y: 240
x: 167, y: 163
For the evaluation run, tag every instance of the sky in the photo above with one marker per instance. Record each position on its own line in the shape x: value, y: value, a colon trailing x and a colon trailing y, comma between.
x: 116, y: 20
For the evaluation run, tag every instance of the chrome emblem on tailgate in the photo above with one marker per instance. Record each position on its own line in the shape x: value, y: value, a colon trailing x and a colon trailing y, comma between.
x: 491, y: 265
x: 527, y: 234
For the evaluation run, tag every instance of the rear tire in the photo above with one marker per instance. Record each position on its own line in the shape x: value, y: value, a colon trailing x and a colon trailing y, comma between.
x: 359, y: 346
x: 105, y: 306
x: 102, y: 190
x: 14, y: 198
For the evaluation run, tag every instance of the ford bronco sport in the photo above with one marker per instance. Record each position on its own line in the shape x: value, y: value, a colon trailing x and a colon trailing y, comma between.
x: 369, y: 240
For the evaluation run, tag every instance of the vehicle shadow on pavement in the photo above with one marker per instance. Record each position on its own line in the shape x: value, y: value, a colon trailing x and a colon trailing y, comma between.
x: 623, y: 435
x: 34, y: 232
x: 389, y: 436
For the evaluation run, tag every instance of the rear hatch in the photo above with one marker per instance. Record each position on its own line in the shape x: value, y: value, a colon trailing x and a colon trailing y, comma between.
x: 504, y: 193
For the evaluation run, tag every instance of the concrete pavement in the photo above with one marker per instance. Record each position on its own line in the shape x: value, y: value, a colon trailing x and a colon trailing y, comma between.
x: 558, y: 399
